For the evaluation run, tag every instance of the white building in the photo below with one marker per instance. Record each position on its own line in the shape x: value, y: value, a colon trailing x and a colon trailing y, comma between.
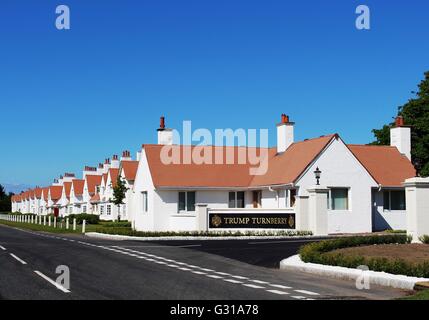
x: 364, y: 182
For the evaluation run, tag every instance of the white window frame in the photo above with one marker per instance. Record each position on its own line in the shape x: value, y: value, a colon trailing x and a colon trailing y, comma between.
x: 236, y: 199
x: 109, y: 209
x: 101, y: 210
x: 144, y: 203
x: 330, y: 199
x: 186, y: 202
x: 390, y: 201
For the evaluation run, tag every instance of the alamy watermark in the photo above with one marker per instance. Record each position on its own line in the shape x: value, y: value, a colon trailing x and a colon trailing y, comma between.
x: 218, y: 149
x: 62, y: 22
x: 362, y: 282
x: 363, y: 21
x: 64, y: 276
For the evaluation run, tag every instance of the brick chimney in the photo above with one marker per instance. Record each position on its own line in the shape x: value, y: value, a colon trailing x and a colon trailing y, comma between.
x: 165, y: 136
x: 285, y: 133
x: 400, y: 137
x: 89, y: 171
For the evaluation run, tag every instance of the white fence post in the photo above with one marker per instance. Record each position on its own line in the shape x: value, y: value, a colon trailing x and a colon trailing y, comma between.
x: 67, y: 223
x: 83, y: 226
x: 74, y: 224
x: 49, y: 221
x: 55, y: 222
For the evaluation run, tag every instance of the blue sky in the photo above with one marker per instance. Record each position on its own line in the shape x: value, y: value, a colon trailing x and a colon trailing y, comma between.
x: 73, y: 98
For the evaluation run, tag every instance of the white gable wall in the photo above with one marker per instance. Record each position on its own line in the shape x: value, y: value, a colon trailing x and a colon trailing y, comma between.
x: 341, y: 169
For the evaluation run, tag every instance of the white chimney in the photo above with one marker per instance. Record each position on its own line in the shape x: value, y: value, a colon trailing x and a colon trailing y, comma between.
x: 68, y: 177
x: 138, y: 155
x: 89, y: 171
x: 284, y: 134
x: 115, y: 162
x: 106, y: 165
x: 400, y: 137
x: 126, y: 156
x: 165, y: 136
x: 100, y: 169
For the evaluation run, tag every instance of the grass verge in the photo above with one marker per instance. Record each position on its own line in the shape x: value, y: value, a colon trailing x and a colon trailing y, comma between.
x: 419, y: 295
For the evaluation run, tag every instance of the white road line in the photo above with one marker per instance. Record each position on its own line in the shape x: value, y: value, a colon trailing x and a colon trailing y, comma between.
x: 277, y: 292
x: 223, y: 273
x: 259, y: 281
x: 199, y: 272
x: 18, y: 259
x: 232, y: 281
x: 239, y: 277
x: 205, y: 269
x: 311, y: 293
x: 3, y: 248
x: 254, y: 286
x: 58, y: 286
x: 185, y: 269
x: 280, y: 286
x: 299, y: 297
x: 214, y: 276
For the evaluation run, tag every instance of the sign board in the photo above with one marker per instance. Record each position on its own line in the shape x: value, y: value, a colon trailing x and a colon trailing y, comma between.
x: 252, y: 220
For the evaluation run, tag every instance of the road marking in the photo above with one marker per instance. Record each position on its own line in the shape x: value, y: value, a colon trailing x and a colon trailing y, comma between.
x: 299, y: 297
x: 277, y: 292
x: 57, y: 285
x: 223, y: 273
x: 280, y: 286
x: 311, y: 293
x: 185, y: 269
x: 239, y: 277
x: 3, y: 248
x: 259, y: 281
x: 232, y: 281
x: 214, y: 276
x: 199, y: 272
x: 18, y: 259
x: 253, y: 286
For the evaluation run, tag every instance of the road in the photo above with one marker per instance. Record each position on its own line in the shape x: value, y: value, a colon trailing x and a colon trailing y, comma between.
x: 101, y: 269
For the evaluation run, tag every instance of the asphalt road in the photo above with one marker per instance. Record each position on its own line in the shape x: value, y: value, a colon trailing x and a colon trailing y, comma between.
x: 102, y: 269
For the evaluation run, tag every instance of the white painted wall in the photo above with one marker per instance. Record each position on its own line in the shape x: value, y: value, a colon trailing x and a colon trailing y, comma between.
x: 383, y: 220
x: 341, y: 169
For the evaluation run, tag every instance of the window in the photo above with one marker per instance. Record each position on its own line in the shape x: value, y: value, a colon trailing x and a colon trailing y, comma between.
x: 236, y: 199
x: 394, y: 200
x: 109, y: 209
x: 101, y: 210
x: 290, y: 201
x: 144, y: 201
x: 84, y: 209
x: 186, y: 201
x: 339, y: 199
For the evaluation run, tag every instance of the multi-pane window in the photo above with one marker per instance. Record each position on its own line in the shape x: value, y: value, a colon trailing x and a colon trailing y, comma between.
x: 339, y: 199
x: 101, y: 209
x: 236, y: 199
x: 186, y: 201
x: 84, y: 209
x: 144, y: 201
x: 109, y: 209
x: 394, y: 200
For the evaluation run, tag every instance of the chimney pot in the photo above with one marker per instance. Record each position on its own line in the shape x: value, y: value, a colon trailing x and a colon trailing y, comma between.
x: 162, y: 123
x: 399, y: 121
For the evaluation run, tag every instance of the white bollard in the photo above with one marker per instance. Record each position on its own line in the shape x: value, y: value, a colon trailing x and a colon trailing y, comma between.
x: 67, y: 224
x: 55, y: 222
x: 74, y: 224
x: 83, y: 226
x: 44, y: 220
x: 49, y: 221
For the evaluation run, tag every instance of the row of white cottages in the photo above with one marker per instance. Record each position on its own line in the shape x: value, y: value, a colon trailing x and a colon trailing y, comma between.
x: 364, y: 183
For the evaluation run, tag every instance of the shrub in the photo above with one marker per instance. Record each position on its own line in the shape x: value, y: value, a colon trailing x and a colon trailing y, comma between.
x: 119, y: 224
x: 424, y: 239
x: 89, y: 218
x: 321, y: 252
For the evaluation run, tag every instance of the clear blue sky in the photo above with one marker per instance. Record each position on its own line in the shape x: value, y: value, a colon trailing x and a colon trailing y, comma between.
x: 72, y: 98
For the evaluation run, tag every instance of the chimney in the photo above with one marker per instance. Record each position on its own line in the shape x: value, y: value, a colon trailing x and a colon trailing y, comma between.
x: 68, y: 177
x: 115, y: 162
x: 100, y: 169
x: 400, y: 137
x: 106, y: 165
x: 285, y: 135
x: 165, y: 136
x: 126, y: 156
x: 56, y: 182
x: 89, y: 171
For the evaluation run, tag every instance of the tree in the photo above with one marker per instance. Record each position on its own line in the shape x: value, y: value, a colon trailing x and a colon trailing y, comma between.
x: 416, y: 115
x: 5, y: 200
x: 119, y: 192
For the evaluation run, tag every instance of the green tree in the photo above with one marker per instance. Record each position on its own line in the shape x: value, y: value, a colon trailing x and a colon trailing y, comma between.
x: 5, y: 204
x: 416, y: 115
x: 119, y: 192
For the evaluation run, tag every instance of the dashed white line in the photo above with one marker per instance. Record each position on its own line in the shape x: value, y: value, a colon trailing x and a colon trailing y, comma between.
x: 299, y: 297
x: 214, y: 276
x: 3, y: 248
x: 254, y: 286
x: 223, y: 273
x: 278, y: 292
x: 311, y: 293
x: 232, y: 281
x: 57, y: 285
x: 280, y: 286
x: 185, y: 269
x: 18, y: 259
x: 239, y: 277
x: 259, y: 281
x: 199, y: 272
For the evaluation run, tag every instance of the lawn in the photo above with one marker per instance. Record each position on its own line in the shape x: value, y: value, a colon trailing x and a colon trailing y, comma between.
x: 419, y: 295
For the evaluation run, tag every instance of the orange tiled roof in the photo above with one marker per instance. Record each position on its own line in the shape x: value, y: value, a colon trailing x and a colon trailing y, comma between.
x: 130, y: 169
x: 114, y: 176
x: 67, y: 189
x: 92, y: 181
x: 78, y: 186
x: 384, y: 163
x: 45, y: 193
x: 55, y: 192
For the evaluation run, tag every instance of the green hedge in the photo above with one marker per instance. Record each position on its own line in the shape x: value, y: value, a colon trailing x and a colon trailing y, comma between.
x: 424, y: 239
x: 90, y: 218
x: 321, y: 253
x: 119, y: 224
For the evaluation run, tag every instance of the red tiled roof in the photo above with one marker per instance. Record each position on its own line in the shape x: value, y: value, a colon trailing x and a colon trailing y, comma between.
x: 67, y: 189
x: 55, y: 192
x: 114, y: 176
x: 78, y: 186
x: 92, y: 181
x: 283, y: 168
x: 130, y: 169
x: 45, y: 193
x: 38, y: 193
x: 385, y: 164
